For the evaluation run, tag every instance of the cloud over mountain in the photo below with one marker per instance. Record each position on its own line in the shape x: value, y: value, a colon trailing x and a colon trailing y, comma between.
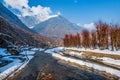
x: 89, y: 26
x: 39, y: 13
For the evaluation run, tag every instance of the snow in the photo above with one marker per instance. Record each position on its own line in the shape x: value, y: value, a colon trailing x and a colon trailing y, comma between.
x: 110, y: 61
x: 52, y: 16
x: 16, y: 64
x: 9, y: 65
x: 9, y: 71
x: 50, y: 51
x: 55, y: 50
x: 92, y: 65
x: 106, y: 51
x: 107, y: 60
x: 72, y: 53
x: 35, y: 49
x: 40, y: 49
x: 3, y: 52
x: 103, y: 59
x: 27, y: 52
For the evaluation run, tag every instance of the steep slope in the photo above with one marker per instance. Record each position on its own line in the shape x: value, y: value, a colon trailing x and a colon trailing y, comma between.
x: 12, y: 18
x: 19, y: 35
x: 30, y: 21
x: 56, y: 27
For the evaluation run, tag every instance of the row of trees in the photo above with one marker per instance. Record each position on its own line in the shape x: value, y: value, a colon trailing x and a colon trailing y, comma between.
x: 102, y: 37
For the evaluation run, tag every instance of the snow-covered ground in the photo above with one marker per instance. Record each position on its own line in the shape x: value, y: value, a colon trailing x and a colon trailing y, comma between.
x: 92, y: 65
x: 35, y: 49
x: 3, y: 52
x: 103, y: 59
x: 15, y: 63
x: 106, y: 51
x: 77, y: 54
x: 89, y: 64
x: 110, y: 61
x: 55, y: 50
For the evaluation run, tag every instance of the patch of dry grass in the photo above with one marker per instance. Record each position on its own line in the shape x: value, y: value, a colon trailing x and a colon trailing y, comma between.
x: 84, y: 67
x: 89, y: 54
x: 100, y: 55
x: 68, y: 50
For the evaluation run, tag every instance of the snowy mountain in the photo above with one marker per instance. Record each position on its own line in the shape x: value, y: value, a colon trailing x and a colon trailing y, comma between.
x: 56, y: 27
x: 12, y: 18
x: 31, y: 21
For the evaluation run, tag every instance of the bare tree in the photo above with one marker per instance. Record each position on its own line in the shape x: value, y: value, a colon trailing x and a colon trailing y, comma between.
x: 93, y: 40
x: 85, y: 39
x: 102, y: 35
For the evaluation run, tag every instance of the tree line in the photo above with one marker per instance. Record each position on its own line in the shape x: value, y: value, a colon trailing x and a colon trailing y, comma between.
x: 104, y: 36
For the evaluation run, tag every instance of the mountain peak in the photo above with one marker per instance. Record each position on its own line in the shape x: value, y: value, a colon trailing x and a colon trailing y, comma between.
x: 31, y: 21
x: 53, y: 16
x: 56, y: 27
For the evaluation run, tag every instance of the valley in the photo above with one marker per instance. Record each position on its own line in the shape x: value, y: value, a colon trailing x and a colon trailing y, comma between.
x: 54, y: 67
x: 59, y: 41
x: 58, y: 62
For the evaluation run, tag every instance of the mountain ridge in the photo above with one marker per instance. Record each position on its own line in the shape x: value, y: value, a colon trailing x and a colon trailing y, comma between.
x: 12, y: 18
x: 56, y: 27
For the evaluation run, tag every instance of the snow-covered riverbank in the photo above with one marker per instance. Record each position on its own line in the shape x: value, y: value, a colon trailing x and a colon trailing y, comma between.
x: 15, y: 63
x: 56, y: 52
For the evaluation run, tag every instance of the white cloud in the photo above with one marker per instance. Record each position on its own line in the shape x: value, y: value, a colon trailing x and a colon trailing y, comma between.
x: 79, y: 24
x: 17, y: 4
x: 40, y: 13
x: 89, y: 26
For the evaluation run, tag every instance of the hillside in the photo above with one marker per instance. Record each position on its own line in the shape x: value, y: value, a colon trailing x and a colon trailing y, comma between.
x: 12, y: 18
x: 19, y: 35
x: 56, y: 27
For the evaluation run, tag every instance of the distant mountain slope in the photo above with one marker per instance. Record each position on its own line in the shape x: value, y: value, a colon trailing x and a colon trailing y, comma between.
x: 30, y: 21
x: 23, y: 37
x: 19, y: 35
x: 56, y: 27
x: 12, y: 18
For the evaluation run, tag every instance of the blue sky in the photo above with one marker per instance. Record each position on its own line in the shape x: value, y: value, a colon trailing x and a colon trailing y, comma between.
x: 83, y: 11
